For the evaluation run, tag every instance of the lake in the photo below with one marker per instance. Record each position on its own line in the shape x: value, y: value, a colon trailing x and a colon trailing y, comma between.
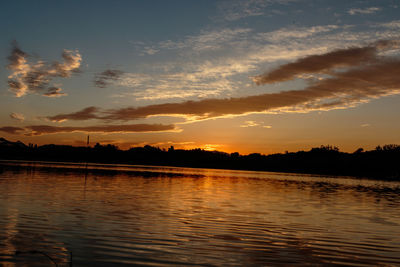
x: 119, y: 215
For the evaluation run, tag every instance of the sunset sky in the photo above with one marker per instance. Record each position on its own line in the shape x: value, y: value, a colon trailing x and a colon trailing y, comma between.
x: 261, y: 76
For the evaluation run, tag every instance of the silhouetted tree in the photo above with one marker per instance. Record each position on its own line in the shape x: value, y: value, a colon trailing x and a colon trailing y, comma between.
x: 383, y: 162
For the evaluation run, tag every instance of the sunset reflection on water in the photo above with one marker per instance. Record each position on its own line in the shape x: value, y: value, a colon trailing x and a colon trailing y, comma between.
x: 182, y: 216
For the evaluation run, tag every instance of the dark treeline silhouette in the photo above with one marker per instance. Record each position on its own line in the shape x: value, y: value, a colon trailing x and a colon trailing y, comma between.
x: 381, y: 163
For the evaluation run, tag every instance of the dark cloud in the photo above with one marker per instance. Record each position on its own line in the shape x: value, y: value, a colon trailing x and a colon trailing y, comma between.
x: 11, y: 130
x: 48, y: 129
x: 103, y: 79
x: 326, y: 62
x: 369, y: 76
x: 54, y: 92
x: 84, y: 114
x: 17, y: 57
x: 133, y: 128
x: 29, y: 77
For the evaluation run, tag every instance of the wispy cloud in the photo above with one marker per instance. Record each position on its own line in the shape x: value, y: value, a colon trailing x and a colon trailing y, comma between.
x: 238, y: 9
x: 200, y: 82
x: 17, y: 116
x: 208, y: 74
x: 54, y: 92
x: 342, y: 89
x: 207, y: 40
x: 33, y: 130
x: 395, y: 24
x: 103, y: 79
x: 249, y: 124
x: 295, y: 32
x: 367, y: 10
x: 29, y: 77
x: 242, y: 39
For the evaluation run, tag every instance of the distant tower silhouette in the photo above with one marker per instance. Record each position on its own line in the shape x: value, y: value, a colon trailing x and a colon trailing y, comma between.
x: 87, y: 142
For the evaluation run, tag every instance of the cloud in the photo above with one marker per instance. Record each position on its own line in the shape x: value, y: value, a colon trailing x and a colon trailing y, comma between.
x: 395, y: 24
x: 254, y: 124
x: 104, y: 78
x: 72, y: 61
x: 28, y: 77
x: 11, y: 129
x: 239, y: 9
x: 367, y: 76
x: 249, y: 124
x: 202, y: 81
x: 33, y: 130
x: 211, y: 147
x: 235, y: 10
x: 212, y: 72
x: 368, y: 10
x: 84, y: 114
x: 132, y: 128
x: 17, y: 116
x: 295, y: 32
x: 207, y: 40
x: 54, y: 92
x: 323, y: 63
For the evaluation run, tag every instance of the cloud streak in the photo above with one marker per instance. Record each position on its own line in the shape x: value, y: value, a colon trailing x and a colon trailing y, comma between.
x: 324, y: 63
x: 366, y: 76
x: 34, y: 130
x: 28, y: 77
x: 84, y: 114
x: 368, y: 10
x: 11, y: 129
x: 249, y: 124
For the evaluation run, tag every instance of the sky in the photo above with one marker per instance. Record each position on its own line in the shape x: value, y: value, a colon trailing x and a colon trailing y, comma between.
x: 264, y: 76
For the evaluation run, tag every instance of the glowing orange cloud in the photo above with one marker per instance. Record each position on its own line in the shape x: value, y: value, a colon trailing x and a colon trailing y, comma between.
x: 47, y: 129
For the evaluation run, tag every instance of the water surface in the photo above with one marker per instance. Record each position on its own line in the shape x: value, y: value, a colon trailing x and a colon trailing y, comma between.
x: 119, y: 215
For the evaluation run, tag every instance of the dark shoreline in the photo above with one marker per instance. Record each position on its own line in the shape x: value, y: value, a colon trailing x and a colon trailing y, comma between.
x: 383, y: 163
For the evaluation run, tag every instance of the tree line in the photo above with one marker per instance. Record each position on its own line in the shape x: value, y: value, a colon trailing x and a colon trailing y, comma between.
x: 383, y: 162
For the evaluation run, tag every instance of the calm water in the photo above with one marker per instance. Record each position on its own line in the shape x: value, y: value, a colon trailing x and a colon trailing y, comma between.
x: 157, y: 216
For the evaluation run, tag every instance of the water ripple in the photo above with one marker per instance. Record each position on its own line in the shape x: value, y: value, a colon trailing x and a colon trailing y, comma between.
x: 159, y: 216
